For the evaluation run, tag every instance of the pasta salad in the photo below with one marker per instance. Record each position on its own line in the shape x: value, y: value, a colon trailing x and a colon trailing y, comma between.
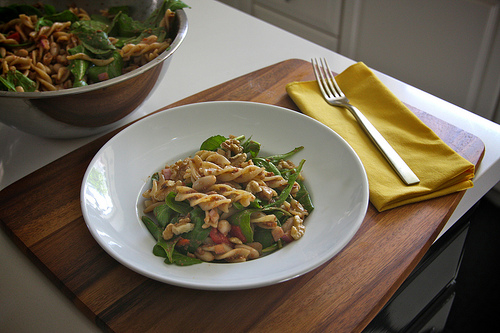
x: 44, y: 49
x: 226, y: 204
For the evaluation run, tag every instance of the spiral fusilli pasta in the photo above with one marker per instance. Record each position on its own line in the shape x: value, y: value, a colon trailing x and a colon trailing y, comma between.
x: 60, y: 50
x: 225, y: 204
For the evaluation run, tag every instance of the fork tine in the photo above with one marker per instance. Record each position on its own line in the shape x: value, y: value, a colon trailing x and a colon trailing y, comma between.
x: 319, y: 77
x: 331, y: 79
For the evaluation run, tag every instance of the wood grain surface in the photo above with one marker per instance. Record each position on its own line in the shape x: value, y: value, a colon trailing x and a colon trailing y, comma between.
x: 42, y: 214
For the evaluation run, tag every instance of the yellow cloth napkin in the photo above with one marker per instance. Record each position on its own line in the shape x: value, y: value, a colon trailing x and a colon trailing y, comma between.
x: 440, y: 169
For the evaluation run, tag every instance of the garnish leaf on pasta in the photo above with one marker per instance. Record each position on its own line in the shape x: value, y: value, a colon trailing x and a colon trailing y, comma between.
x: 213, y: 142
x: 251, y: 147
x: 153, y: 228
x: 95, y: 41
x: 164, y: 214
x: 124, y: 26
x: 242, y: 220
x: 78, y: 67
x: 64, y: 16
x: 15, y: 79
x: 264, y: 237
x: 155, y: 18
x: 198, y: 234
x: 109, y: 71
x: 178, y: 206
x: 164, y: 249
x: 173, y: 5
x: 183, y: 260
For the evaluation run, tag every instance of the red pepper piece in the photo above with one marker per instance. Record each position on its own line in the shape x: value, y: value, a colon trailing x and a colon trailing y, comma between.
x: 236, y: 232
x: 15, y: 36
x: 218, y: 237
x: 181, y: 242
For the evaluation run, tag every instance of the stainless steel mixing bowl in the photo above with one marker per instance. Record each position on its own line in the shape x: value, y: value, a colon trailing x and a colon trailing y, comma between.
x: 92, y: 109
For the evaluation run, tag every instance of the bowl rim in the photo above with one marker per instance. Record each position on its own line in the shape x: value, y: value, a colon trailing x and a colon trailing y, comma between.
x: 181, y: 34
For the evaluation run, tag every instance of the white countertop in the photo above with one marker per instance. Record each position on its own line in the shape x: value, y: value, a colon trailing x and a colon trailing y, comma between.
x: 221, y: 44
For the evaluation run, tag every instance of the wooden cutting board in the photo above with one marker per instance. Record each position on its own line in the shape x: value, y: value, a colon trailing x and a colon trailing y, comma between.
x: 42, y: 215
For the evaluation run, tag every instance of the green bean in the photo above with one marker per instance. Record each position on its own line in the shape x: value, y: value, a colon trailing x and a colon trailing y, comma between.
x: 286, y: 192
x: 285, y: 156
x: 267, y: 164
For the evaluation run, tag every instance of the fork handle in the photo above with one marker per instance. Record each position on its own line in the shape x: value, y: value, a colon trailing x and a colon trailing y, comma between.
x: 397, y: 163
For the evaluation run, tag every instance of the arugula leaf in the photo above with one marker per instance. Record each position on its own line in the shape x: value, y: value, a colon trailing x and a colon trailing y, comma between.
x: 116, y: 9
x: 15, y: 78
x: 124, y: 26
x: 78, y: 67
x: 198, y: 234
x: 264, y: 236
x: 213, y: 142
x: 180, y: 259
x: 164, y: 248
x: 94, y: 25
x: 160, y: 33
x: 64, y: 16
x: 43, y: 22
x: 154, y: 229
x: 6, y: 85
x: 95, y: 41
x: 157, y: 15
x: 251, y: 147
x: 111, y: 70
x: 180, y: 207
x: 275, y: 246
x: 173, y: 5
x: 164, y: 215
x: 280, y: 213
x: 49, y: 9
x: 242, y: 219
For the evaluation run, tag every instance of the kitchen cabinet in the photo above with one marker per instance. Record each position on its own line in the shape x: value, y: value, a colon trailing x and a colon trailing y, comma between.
x: 315, y: 20
x: 449, y: 48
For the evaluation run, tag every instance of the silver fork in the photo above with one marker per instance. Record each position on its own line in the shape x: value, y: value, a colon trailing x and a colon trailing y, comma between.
x: 334, y: 96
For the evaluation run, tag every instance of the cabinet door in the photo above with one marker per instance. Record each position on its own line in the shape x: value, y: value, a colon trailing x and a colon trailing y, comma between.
x: 315, y: 20
x: 449, y: 48
x: 320, y: 14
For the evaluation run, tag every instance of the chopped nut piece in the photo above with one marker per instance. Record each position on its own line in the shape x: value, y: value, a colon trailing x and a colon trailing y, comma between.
x: 298, y: 228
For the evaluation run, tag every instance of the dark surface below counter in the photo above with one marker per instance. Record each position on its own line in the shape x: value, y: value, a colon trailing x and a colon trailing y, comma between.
x: 453, y: 289
x: 475, y: 308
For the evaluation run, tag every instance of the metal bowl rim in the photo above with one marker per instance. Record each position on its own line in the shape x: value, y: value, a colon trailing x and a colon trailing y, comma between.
x: 181, y: 34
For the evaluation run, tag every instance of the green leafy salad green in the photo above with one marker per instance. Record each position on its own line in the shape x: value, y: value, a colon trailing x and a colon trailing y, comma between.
x: 226, y: 204
x: 43, y: 48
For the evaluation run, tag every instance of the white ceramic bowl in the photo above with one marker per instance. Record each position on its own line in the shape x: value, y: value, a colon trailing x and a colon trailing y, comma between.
x: 119, y: 173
